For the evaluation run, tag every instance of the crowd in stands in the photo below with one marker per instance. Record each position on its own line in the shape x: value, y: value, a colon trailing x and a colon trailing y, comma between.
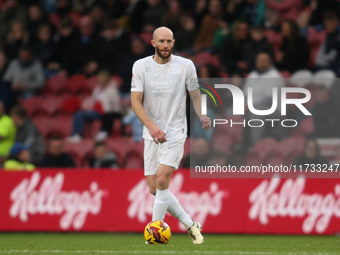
x: 66, y: 67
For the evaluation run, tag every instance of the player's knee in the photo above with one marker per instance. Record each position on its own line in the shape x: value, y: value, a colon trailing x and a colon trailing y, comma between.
x: 160, y: 182
x: 152, y: 190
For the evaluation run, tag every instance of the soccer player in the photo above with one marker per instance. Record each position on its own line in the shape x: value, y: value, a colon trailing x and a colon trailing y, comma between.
x: 158, y: 97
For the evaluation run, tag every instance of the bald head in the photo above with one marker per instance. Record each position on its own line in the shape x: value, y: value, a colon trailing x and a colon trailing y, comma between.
x: 163, y: 41
x: 162, y: 32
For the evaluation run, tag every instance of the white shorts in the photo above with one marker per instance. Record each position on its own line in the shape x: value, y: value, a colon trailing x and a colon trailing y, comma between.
x: 169, y: 153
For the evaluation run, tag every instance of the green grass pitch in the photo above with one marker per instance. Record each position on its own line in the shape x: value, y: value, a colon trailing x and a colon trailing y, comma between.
x: 106, y: 243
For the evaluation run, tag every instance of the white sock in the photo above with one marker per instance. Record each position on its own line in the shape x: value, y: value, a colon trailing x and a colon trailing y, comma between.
x: 160, y: 206
x: 176, y: 210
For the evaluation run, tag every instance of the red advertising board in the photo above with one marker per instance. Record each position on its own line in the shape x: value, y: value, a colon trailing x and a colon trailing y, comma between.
x: 83, y: 200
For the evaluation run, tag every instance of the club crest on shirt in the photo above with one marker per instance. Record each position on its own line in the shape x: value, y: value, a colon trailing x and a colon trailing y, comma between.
x: 175, y: 69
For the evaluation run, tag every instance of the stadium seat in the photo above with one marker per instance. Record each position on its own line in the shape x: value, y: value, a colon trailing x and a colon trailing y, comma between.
x: 79, y: 150
x: 275, y: 160
x: 76, y: 83
x: 301, y: 78
x: 202, y: 58
x: 222, y: 142
x: 324, y: 77
x: 56, y: 84
x: 91, y: 83
x: 42, y: 124
x: 133, y: 161
x: 214, y: 60
x: 287, y: 147
x: 61, y: 126
x: 252, y: 159
x: 135, y: 148
x: 32, y: 105
x: 305, y: 127
x: 265, y: 147
x: 50, y: 105
x: 118, y: 147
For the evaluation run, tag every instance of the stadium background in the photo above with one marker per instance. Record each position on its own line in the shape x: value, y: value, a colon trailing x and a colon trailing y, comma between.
x: 53, y: 54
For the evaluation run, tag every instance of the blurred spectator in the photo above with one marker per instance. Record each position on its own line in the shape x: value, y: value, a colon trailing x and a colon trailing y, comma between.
x: 218, y: 158
x: 210, y: 24
x: 84, y: 49
x: 317, y: 8
x: 287, y: 9
x: 137, y: 126
x: 43, y: 48
x: 138, y: 50
x: 232, y: 50
x: 329, y: 51
x: 197, y: 131
x: 117, y: 9
x: 7, y: 132
x: 186, y: 34
x: 220, y: 34
x: 153, y: 15
x: 99, y: 17
x: 262, y: 80
x: 336, y: 159
x: 258, y: 43
x: 5, y: 88
x: 104, y: 104
x: 200, y: 154
x: 56, y: 156
x: 61, y: 53
x: 103, y: 158
x: 27, y: 134
x: 19, y: 159
x: 311, y: 155
x: 25, y: 74
x: 323, y: 114
x: 234, y: 10
x: 82, y: 6
x: 253, y: 11
x: 11, y: 12
x: 113, y: 47
x: 207, y: 71
x: 36, y: 17
x: 17, y: 37
x: 172, y: 17
x: 294, y: 52
x: 236, y: 79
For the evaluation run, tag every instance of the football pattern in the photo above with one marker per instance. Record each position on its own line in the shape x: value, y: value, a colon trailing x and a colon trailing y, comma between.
x: 157, y: 232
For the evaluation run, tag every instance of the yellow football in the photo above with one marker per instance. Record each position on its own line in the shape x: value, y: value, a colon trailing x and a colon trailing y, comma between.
x: 157, y: 232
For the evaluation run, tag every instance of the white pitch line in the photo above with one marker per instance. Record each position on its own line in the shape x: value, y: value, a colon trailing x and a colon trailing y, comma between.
x: 169, y: 252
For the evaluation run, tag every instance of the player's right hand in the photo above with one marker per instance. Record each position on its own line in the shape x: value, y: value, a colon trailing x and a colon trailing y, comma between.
x: 157, y: 134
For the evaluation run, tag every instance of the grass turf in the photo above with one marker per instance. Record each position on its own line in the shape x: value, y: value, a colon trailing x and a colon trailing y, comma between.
x: 93, y: 243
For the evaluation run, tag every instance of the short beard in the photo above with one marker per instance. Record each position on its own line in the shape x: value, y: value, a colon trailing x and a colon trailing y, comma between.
x: 159, y: 53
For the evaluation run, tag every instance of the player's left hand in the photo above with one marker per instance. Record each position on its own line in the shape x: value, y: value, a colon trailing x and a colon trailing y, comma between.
x: 206, y: 122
